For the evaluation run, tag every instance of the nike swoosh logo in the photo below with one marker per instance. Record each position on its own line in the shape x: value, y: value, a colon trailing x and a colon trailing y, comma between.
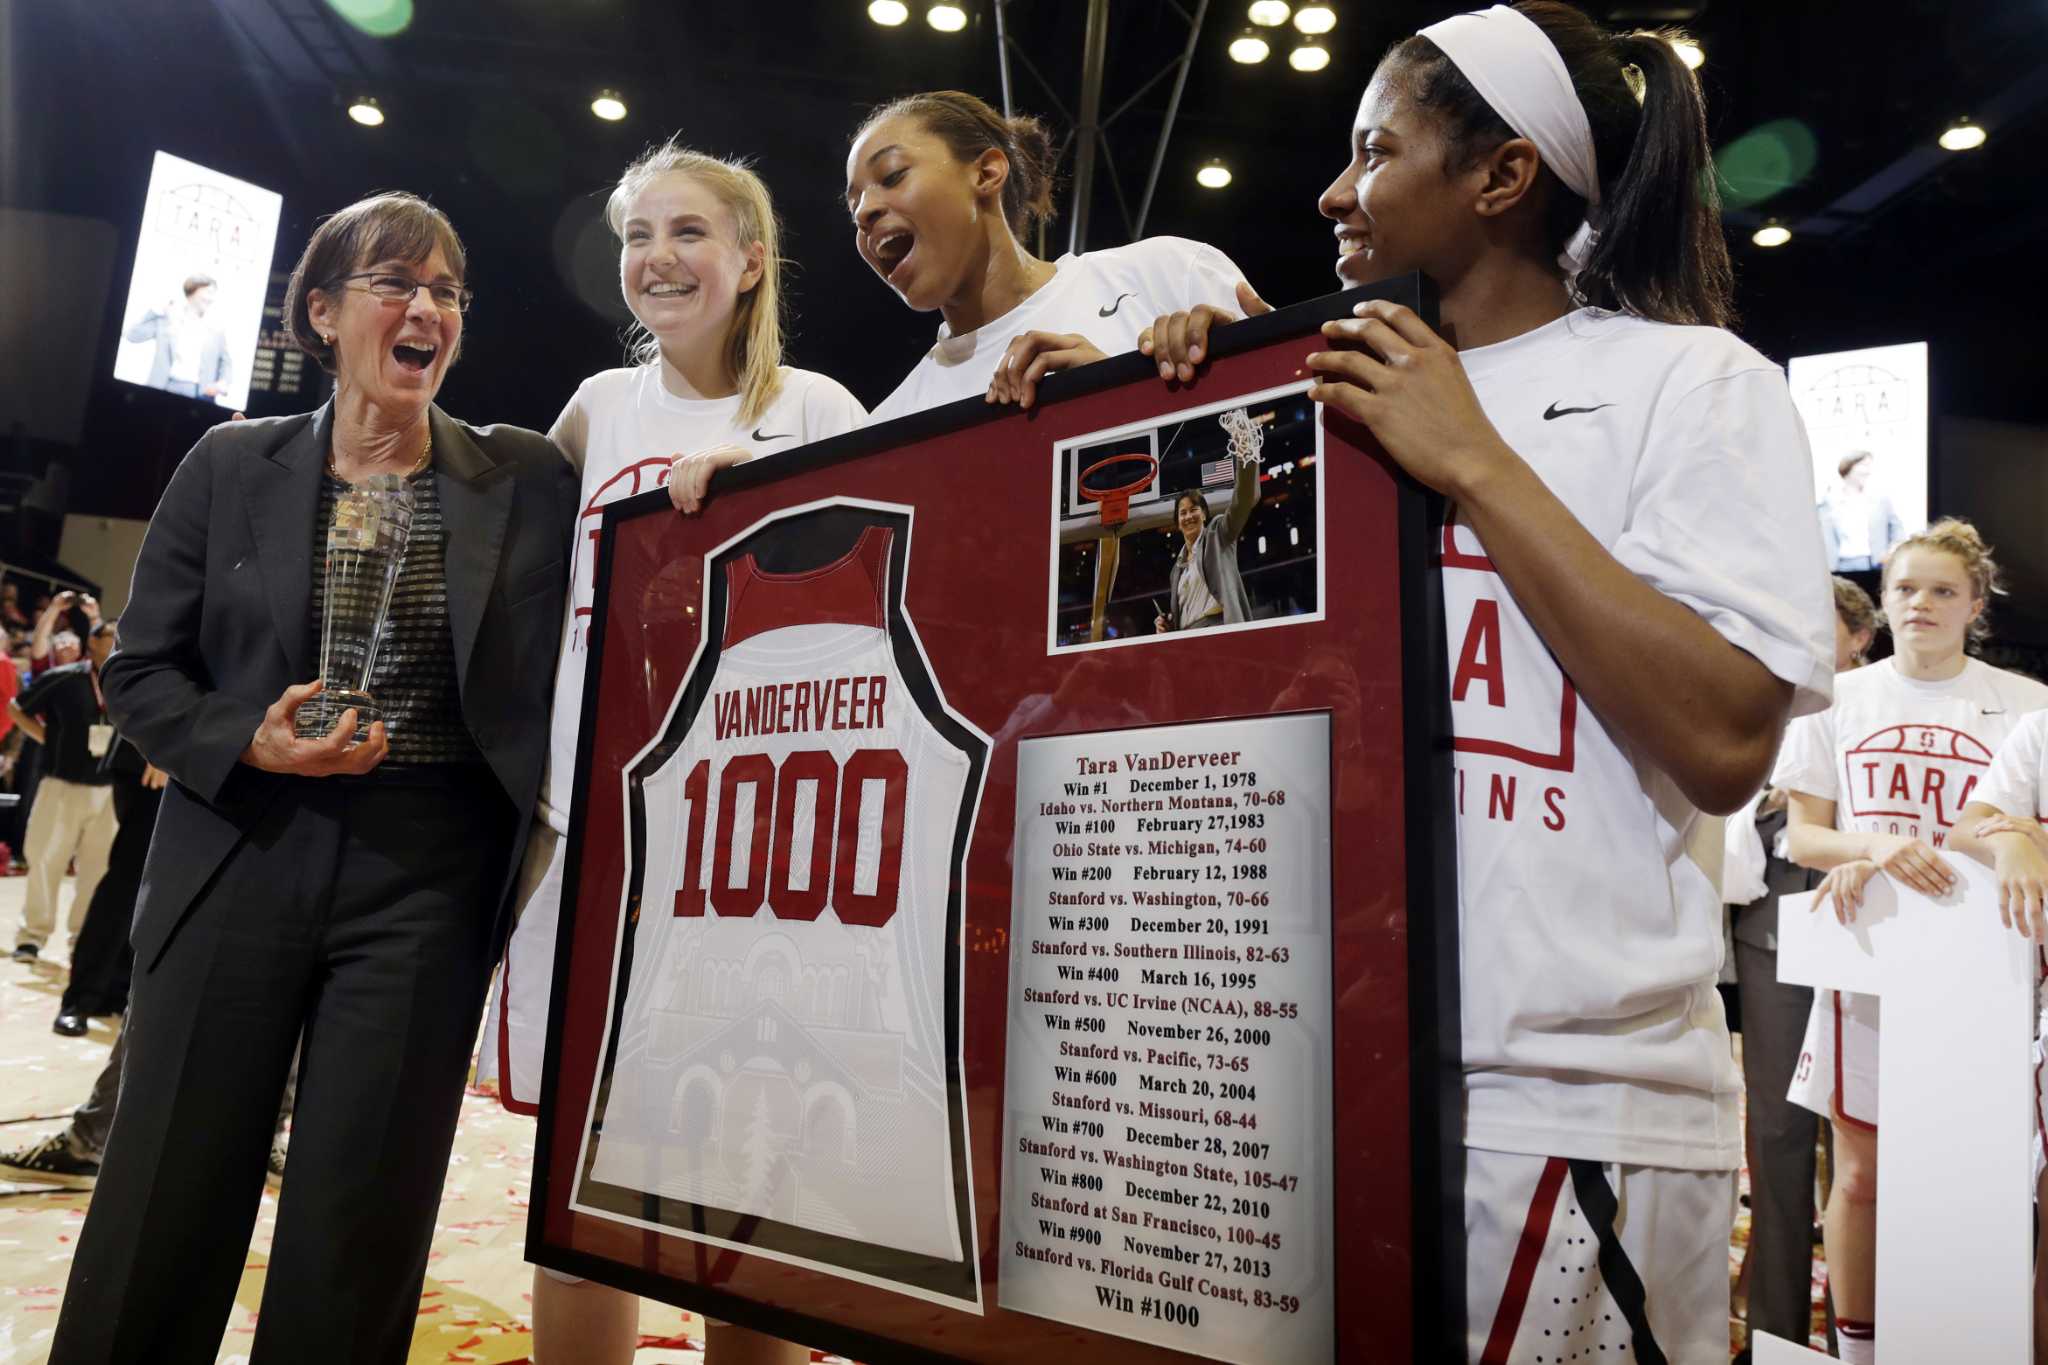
x: 761, y: 435
x: 1105, y: 312
x: 1553, y: 412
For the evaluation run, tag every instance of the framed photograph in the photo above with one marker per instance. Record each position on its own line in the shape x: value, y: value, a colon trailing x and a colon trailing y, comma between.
x: 1202, y: 519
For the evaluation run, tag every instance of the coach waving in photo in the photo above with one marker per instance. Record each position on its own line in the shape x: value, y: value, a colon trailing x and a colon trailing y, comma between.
x: 354, y: 894
x: 1203, y: 582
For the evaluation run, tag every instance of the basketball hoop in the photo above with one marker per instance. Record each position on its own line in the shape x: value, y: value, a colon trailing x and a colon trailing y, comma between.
x: 1114, y: 504
x: 1247, y: 439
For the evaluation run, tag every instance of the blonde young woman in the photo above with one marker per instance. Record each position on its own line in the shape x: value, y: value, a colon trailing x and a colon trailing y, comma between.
x: 700, y: 267
x: 1877, y: 784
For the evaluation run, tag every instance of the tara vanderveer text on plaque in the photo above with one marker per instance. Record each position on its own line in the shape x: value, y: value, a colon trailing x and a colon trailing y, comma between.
x: 1167, y: 1133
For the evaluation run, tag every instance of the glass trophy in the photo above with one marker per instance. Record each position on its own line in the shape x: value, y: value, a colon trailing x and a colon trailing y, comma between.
x: 365, y: 546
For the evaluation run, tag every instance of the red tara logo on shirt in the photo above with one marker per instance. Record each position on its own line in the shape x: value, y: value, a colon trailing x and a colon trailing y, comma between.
x: 1913, y: 773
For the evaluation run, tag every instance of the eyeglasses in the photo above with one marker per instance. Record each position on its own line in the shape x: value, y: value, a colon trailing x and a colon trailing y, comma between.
x: 448, y: 297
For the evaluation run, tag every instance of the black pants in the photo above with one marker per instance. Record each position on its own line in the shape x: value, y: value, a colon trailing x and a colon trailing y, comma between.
x: 1782, y: 1139
x: 94, y: 1119
x: 101, y: 959
x: 362, y: 913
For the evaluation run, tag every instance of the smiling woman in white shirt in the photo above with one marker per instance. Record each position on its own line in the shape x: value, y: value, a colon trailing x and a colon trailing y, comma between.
x: 1877, y: 784
x: 700, y: 268
x: 1635, y: 601
x: 944, y: 191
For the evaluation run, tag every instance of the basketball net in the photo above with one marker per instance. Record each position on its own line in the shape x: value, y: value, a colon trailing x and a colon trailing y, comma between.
x: 1247, y: 438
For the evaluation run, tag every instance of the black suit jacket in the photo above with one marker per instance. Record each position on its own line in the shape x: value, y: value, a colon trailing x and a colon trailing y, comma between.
x: 219, y: 623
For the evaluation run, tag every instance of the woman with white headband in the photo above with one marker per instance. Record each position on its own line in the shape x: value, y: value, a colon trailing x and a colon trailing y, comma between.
x: 1635, y: 603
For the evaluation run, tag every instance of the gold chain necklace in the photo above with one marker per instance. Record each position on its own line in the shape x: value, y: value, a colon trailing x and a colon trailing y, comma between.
x: 418, y: 464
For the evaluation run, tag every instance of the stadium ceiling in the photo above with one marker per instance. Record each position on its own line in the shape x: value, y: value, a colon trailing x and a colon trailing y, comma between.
x: 488, y: 112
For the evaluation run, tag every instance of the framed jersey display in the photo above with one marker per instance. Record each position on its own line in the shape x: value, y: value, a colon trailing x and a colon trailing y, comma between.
x: 940, y: 982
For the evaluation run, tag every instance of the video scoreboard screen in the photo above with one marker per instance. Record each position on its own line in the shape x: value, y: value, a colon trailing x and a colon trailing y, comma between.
x: 196, y: 300
x: 1866, y: 418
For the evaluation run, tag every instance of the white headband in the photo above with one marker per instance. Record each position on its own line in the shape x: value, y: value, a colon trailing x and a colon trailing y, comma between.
x: 1516, y: 69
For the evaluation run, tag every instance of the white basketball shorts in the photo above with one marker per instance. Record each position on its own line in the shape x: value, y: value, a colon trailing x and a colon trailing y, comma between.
x: 1582, y: 1260
x: 1837, y: 1072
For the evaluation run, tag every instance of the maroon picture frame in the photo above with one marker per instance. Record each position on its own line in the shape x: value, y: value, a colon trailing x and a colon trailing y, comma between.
x: 979, y: 481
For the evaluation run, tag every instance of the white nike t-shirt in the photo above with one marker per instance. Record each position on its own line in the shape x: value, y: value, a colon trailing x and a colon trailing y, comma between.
x: 1106, y: 296
x: 1897, y: 756
x: 1590, y: 941
x: 620, y: 429
x: 1900, y: 756
x: 2016, y: 783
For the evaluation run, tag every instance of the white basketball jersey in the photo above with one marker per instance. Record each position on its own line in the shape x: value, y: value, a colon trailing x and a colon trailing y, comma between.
x: 786, y: 1048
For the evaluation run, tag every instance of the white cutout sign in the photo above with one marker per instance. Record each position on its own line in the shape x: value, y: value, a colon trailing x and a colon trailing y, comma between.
x: 1955, y: 1107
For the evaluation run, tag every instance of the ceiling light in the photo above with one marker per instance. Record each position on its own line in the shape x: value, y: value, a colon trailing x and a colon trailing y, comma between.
x: 1690, y: 52
x: 1213, y: 175
x: 1315, y: 18
x: 608, y: 106
x: 1270, y: 13
x: 1962, y: 136
x: 888, y: 13
x: 366, y: 111
x: 946, y: 18
x: 378, y: 18
x: 1773, y: 233
x: 1310, y: 56
x: 1249, y: 48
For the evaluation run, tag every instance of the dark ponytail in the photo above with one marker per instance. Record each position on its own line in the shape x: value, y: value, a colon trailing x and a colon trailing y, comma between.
x: 969, y: 126
x: 1660, y: 254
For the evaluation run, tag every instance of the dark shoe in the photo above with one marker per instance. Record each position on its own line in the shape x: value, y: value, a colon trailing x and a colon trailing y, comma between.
x: 69, y: 1025
x: 50, y: 1162
x: 26, y: 952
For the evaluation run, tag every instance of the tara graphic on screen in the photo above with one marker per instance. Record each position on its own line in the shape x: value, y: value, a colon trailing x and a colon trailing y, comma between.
x: 202, y: 270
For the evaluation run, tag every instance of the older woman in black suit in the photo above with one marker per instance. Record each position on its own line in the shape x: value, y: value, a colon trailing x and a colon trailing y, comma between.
x: 354, y: 893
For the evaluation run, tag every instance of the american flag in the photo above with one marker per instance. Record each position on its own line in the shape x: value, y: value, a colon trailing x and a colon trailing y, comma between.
x: 1218, y: 473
